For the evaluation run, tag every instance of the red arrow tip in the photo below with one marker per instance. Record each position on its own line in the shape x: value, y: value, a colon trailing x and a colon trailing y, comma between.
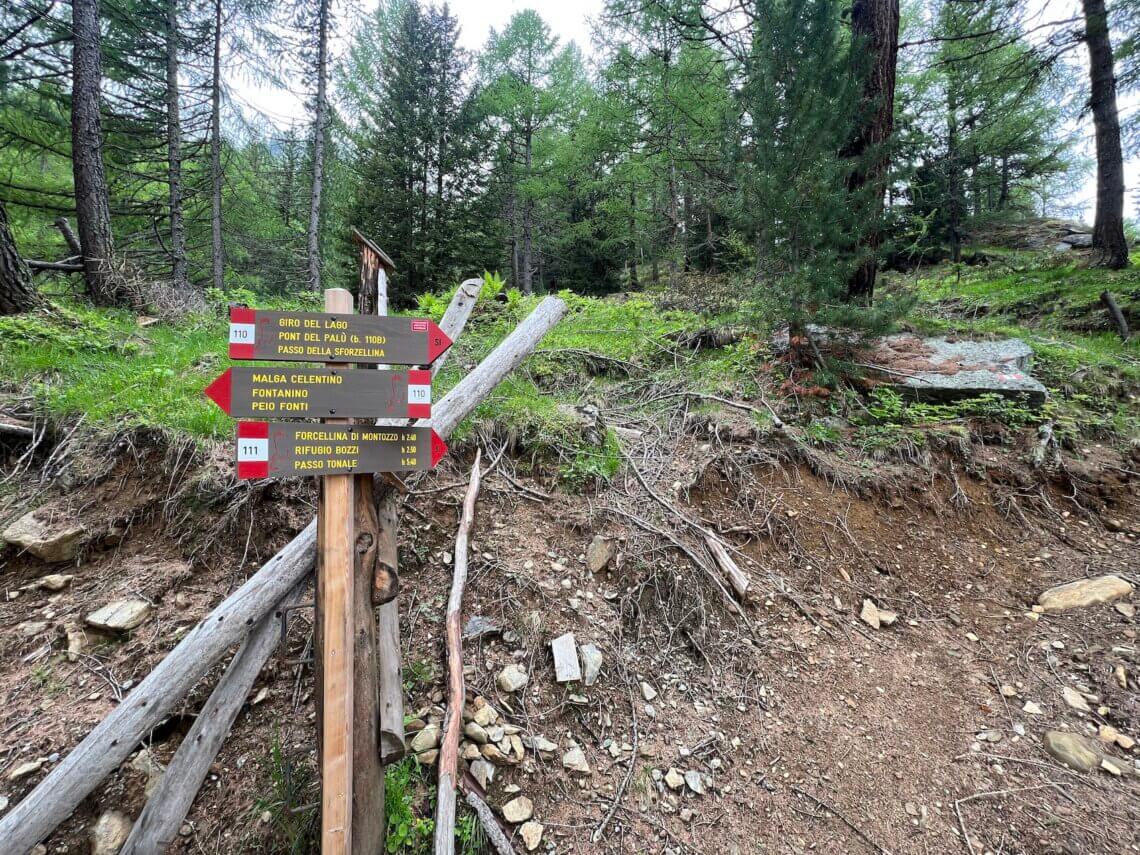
x: 219, y: 391
x: 438, y: 341
x: 438, y: 448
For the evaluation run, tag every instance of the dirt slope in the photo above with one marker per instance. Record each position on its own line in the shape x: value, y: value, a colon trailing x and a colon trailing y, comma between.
x: 810, y: 730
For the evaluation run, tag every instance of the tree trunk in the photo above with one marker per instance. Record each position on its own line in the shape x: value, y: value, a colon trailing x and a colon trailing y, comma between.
x: 953, y: 180
x: 17, y: 294
x: 527, y: 269
x: 319, y: 120
x: 875, y: 29
x: 217, y: 250
x: 1108, y: 227
x: 92, y: 207
x: 174, y: 151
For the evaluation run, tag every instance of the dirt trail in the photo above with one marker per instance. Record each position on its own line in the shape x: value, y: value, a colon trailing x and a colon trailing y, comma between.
x: 811, y: 731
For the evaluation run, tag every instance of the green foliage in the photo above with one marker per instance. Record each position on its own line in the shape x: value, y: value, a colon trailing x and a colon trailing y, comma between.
x: 822, y: 434
x: 294, y: 819
x: 419, y: 673
x: 890, y: 407
x: 408, y: 833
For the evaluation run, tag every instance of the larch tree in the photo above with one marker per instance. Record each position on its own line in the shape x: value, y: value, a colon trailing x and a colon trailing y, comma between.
x: 1108, y: 226
x: 320, y: 132
x: 875, y: 37
x: 17, y: 293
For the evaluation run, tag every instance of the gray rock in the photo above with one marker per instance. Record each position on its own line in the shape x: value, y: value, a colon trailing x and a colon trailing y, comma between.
x: 479, y: 626
x: 647, y: 691
x: 428, y: 758
x: 76, y: 643
x: 51, y: 540
x: 591, y: 663
x: 475, y: 733
x: 55, y: 581
x: 542, y: 745
x: 512, y: 678
x: 426, y: 739
x: 674, y: 780
x: 694, y: 782
x: 484, y: 772
x: 1081, y: 240
x: 147, y: 764
x: 565, y: 651
x: 32, y: 628
x: 600, y: 553
x: 518, y: 810
x: 110, y: 833
x: 574, y: 761
x: 1073, y: 750
x: 24, y: 769
x: 531, y: 834
x: 120, y: 616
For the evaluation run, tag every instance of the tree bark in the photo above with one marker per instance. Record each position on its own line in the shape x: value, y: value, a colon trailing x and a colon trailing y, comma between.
x: 453, y: 721
x: 875, y: 32
x: 69, y: 237
x: 319, y: 121
x: 92, y: 206
x: 527, y: 268
x: 174, y: 151
x: 1108, y: 227
x: 217, y: 249
x: 17, y: 293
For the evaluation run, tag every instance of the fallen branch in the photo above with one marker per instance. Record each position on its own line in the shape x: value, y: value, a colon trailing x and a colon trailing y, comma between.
x: 116, y: 737
x: 449, y: 750
x: 1118, y: 319
x: 487, y: 819
x: 165, y: 810
x: 731, y: 570
x: 59, y: 266
x: 827, y: 807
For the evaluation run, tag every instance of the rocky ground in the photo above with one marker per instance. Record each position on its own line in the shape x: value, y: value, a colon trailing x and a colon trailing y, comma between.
x: 928, y: 658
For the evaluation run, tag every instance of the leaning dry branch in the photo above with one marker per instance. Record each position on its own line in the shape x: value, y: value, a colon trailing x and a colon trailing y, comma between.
x: 1118, y: 319
x: 160, y: 820
x: 117, y: 736
x: 449, y: 752
x: 736, y: 577
x: 487, y: 819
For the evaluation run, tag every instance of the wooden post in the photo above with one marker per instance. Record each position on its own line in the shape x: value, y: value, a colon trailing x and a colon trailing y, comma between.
x: 368, y: 820
x: 335, y: 550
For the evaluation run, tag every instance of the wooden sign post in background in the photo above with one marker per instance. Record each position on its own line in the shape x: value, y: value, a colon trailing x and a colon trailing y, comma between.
x: 335, y: 547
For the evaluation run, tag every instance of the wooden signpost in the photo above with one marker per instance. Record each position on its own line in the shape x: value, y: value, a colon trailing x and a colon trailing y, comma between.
x: 341, y: 453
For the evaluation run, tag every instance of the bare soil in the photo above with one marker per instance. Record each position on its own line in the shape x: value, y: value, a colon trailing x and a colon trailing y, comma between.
x: 814, y: 731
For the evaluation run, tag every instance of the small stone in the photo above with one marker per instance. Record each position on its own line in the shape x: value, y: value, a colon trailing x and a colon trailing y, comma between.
x: 531, y: 833
x: 870, y: 614
x: 600, y: 553
x: 517, y: 746
x: 518, y: 810
x: 492, y: 754
x: 1126, y: 609
x: 469, y: 751
x: 120, y: 616
x: 694, y: 782
x: 147, y: 764
x: 574, y: 761
x: 426, y: 739
x: 475, y: 733
x: 674, y: 780
x: 565, y: 651
x: 110, y: 833
x: 1074, y: 751
x: 479, y: 626
x: 55, y: 582
x: 591, y: 663
x: 647, y: 691
x: 542, y: 745
x: 428, y: 758
x: 32, y: 628
x: 512, y: 678
x: 1109, y: 765
x: 687, y: 814
x: 3, y: 803
x: 25, y: 769
x: 485, y: 716
x: 1007, y: 691
x: 1033, y: 708
x: 483, y: 772
x: 1074, y: 699
x: 495, y: 733
x: 1083, y: 593
x: 186, y: 830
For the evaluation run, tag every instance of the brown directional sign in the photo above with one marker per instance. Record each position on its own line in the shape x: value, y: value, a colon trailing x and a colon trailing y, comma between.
x: 278, y: 449
x: 306, y: 392
x: 326, y: 337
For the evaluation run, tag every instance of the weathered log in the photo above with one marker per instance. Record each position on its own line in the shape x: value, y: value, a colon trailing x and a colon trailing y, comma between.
x: 731, y: 570
x: 165, y: 810
x: 453, y: 720
x: 388, y: 639
x: 116, y: 737
x: 1118, y: 319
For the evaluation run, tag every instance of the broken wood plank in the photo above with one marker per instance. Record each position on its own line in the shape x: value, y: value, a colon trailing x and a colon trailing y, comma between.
x: 453, y: 720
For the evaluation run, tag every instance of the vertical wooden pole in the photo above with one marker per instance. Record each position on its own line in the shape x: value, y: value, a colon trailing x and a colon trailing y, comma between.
x: 368, y: 821
x: 335, y: 550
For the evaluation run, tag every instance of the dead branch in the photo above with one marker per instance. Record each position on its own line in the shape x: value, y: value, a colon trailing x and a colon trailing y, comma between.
x: 1118, y: 319
x: 736, y: 577
x: 449, y: 751
x: 487, y: 819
